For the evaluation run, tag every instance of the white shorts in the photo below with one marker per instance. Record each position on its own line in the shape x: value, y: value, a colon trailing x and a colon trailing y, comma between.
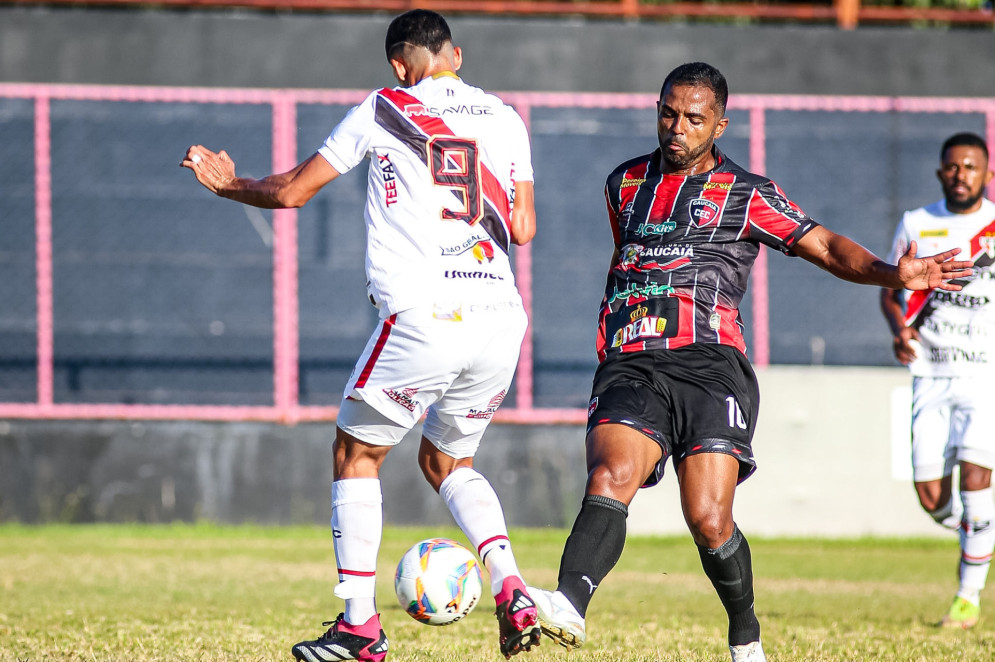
x: 953, y: 421
x: 453, y: 364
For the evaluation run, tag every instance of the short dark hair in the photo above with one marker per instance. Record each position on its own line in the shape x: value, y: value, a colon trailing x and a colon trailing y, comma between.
x: 700, y: 73
x: 964, y: 140
x: 418, y: 27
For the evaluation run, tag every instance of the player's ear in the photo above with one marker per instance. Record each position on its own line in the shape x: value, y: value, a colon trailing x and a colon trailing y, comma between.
x: 720, y: 127
x: 400, y: 69
x: 457, y: 58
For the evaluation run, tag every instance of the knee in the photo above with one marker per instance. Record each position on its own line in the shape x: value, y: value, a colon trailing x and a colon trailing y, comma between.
x: 974, y: 478
x: 618, y: 482
x: 710, y: 527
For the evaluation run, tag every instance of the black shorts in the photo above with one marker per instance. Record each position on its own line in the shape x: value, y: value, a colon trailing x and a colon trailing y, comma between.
x: 701, y: 398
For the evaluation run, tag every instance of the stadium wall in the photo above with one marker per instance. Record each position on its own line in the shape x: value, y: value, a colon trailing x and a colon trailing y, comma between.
x: 251, y: 49
x: 832, y: 449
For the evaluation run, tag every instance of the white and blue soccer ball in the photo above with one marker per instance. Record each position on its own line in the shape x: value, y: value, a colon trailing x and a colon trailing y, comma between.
x: 438, y: 581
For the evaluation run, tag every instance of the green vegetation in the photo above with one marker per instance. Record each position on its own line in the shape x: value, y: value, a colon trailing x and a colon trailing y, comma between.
x: 142, y: 593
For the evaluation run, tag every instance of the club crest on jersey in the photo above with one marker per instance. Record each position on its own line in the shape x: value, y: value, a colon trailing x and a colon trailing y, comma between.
x: 703, y: 212
x: 987, y: 244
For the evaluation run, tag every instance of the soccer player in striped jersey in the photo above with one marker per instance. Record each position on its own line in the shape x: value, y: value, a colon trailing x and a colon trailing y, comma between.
x: 673, y: 379
x: 947, y: 340
x: 450, y: 189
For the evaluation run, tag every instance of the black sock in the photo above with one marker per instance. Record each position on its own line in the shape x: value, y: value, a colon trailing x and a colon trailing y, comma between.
x: 592, y: 550
x: 730, y: 570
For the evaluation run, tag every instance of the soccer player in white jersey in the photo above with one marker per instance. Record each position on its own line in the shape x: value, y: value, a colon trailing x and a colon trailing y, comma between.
x: 948, y: 341
x: 450, y: 188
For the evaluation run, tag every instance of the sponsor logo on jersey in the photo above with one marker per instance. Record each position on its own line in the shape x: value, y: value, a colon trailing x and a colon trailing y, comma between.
x: 481, y: 249
x: 625, y: 214
x: 492, y: 407
x: 954, y: 329
x: 459, y: 249
x: 669, y: 250
x: 447, y: 313
x: 639, y: 312
x: 714, y: 321
x: 494, y: 307
x: 959, y: 299
x: 641, y: 291
x: 956, y: 355
x: 405, y: 397
x: 421, y: 110
x: 389, y: 179
x: 703, y: 212
x: 649, y: 326
x: 943, y: 232
x: 644, y: 229
x: 471, y: 275
x: 711, y: 186
x: 987, y: 244
x: 629, y: 182
x: 630, y: 255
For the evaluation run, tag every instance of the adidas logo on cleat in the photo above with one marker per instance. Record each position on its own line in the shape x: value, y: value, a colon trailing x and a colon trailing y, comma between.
x: 522, y: 602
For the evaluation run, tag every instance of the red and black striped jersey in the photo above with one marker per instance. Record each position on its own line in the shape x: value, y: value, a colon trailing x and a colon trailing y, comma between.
x: 686, y: 245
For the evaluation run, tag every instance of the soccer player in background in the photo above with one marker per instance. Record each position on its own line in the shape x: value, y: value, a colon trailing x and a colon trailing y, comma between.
x: 450, y: 188
x: 673, y: 379
x: 948, y: 341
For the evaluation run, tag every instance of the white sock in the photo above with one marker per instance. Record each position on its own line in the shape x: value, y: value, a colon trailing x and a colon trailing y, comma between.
x: 977, y: 540
x: 357, y: 527
x: 478, y: 512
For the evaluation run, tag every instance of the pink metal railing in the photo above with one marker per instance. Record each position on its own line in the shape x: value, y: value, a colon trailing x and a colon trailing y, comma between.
x: 286, y: 407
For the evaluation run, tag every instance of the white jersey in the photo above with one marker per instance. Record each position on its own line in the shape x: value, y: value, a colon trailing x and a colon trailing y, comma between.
x: 444, y: 157
x: 957, y: 329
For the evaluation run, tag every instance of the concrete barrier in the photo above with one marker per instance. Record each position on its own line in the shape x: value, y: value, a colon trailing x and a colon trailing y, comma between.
x: 831, y: 445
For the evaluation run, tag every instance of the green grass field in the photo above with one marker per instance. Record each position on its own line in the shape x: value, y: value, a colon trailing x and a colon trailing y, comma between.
x: 142, y: 593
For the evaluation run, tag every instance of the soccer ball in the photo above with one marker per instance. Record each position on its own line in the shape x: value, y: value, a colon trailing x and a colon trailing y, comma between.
x: 438, y: 581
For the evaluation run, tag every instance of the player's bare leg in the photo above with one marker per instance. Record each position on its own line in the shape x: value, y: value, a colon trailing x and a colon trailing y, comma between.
x: 707, y: 486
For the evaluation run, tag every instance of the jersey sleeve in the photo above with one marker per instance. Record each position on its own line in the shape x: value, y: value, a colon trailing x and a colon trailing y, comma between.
x: 774, y: 219
x: 349, y: 142
x: 521, y: 150
x: 613, y: 202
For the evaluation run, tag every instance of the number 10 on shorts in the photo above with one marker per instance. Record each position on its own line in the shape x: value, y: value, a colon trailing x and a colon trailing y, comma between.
x: 736, y: 419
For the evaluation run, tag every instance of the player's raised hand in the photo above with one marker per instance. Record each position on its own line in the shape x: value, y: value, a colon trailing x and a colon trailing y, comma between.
x: 933, y: 272
x: 214, y: 170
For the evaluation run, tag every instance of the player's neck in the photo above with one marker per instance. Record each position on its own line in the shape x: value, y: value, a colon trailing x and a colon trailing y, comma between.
x: 962, y: 210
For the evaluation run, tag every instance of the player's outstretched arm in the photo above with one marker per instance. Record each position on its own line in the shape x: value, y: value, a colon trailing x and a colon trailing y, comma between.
x: 846, y: 259
x: 216, y: 171
x: 523, y: 215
